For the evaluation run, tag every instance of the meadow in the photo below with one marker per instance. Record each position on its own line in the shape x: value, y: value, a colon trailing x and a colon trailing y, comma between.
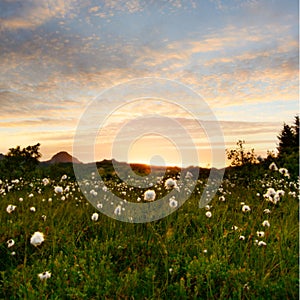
x: 243, y: 245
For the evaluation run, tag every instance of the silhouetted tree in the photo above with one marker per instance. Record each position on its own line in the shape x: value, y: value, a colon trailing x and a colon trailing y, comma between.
x: 289, y: 139
x: 240, y: 156
x: 288, y: 147
x: 20, y: 162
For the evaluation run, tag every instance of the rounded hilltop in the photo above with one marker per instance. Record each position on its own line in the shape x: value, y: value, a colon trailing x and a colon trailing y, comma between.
x: 63, y: 157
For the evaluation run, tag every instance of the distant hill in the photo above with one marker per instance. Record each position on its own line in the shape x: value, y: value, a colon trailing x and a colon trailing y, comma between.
x: 62, y: 157
x: 1, y: 156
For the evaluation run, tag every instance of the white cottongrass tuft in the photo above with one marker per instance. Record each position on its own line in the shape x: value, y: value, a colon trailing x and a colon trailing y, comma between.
x: 37, y: 239
x: 118, y: 210
x: 266, y: 223
x: 189, y: 175
x: 45, y: 181
x: 93, y: 192
x: 95, y: 217
x: 267, y: 211
x: 172, y: 202
x: 280, y: 193
x: 222, y: 198
x: 10, y: 243
x: 260, y: 233
x: 241, y: 237
x: 44, y: 276
x: 10, y: 208
x: 284, y: 172
x: 261, y: 243
x: 208, y: 214
x: 32, y: 209
x: 58, y: 189
x: 246, y: 208
x: 64, y: 177
x: 149, y: 195
x: 273, y: 167
x: 171, y: 184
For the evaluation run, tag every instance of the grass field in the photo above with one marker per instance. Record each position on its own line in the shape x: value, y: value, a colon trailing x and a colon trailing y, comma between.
x: 187, y: 255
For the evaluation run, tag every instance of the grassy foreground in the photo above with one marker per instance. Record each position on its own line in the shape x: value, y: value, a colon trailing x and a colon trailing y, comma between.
x: 187, y: 255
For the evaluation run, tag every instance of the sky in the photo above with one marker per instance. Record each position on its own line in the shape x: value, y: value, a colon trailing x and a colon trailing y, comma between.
x: 57, y: 57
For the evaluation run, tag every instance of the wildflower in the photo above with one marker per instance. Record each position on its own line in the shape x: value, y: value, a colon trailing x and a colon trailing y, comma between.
x: 260, y: 233
x: 10, y: 208
x: 95, y: 217
x: 233, y: 227
x: 273, y: 167
x: 149, y: 195
x: 208, y: 214
x: 293, y: 194
x: 44, y: 218
x: 207, y: 207
x: 280, y: 193
x: 13, y: 253
x: 37, y: 239
x: 170, y: 270
x: 205, y: 251
x: 276, y: 198
x: 45, y: 181
x: 241, y: 237
x: 118, y: 210
x: 262, y: 243
x: 58, y: 189
x: 44, y: 276
x: 171, y: 184
x: 267, y: 211
x: 10, y: 243
x: 138, y: 199
x: 173, y: 203
x: 32, y: 209
x: 284, y: 172
x: 64, y: 177
x: 189, y: 175
x: 266, y: 223
x: 246, y: 208
x: 222, y: 198
x: 270, y: 193
x: 93, y: 192
x: 21, y: 199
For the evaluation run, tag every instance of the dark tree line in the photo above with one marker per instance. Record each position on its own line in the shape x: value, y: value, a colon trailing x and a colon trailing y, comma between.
x: 287, y: 156
x: 23, y: 162
x: 289, y: 139
x: 20, y: 162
